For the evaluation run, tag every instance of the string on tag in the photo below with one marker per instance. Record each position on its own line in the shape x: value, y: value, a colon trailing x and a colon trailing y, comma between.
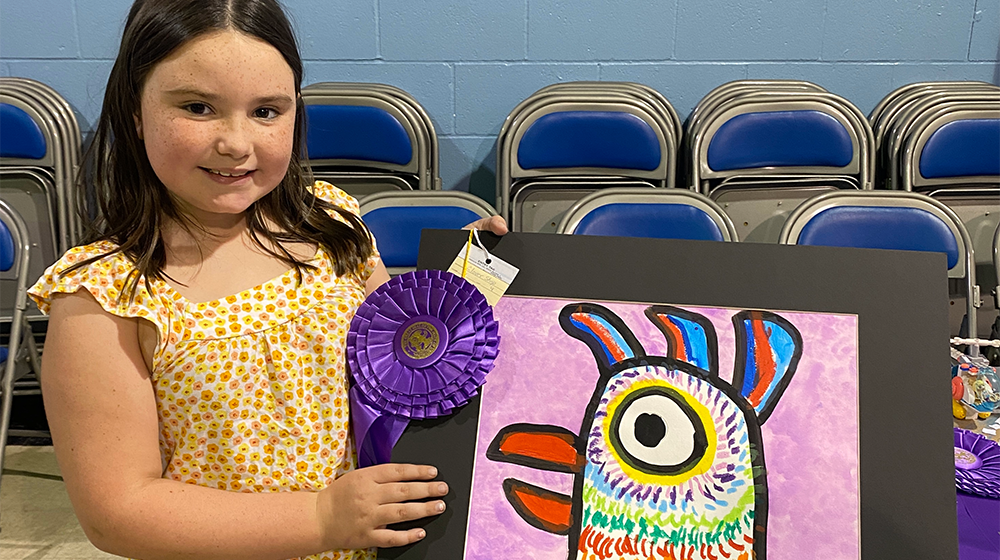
x: 488, y: 273
x: 475, y: 233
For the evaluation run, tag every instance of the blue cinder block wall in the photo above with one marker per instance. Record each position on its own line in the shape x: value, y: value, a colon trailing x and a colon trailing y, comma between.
x: 470, y: 61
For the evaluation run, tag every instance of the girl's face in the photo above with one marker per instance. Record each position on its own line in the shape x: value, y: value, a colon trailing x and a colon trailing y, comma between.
x: 217, y: 117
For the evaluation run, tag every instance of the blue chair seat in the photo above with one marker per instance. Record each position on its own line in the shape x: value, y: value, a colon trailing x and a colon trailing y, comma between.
x: 357, y: 133
x: 608, y: 139
x: 963, y: 148
x: 397, y: 229
x: 662, y: 221
x: 881, y: 227
x: 780, y: 139
x: 20, y: 135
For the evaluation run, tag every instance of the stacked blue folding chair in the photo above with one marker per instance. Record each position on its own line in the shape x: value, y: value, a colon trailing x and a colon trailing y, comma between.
x: 943, y: 139
x: 396, y: 219
x: 39, y: 157
x: 40, y: 138
x: 40, y: 146
x: 566, y: 141
x: 759, y: 148
x: 892, y: 116
x: 888, y: 220
x: 654, y: 213
x: 369, y: 138
x: 19, y: 356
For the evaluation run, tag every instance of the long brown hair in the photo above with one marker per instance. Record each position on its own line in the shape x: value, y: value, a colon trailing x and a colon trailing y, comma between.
x: 129, y: 200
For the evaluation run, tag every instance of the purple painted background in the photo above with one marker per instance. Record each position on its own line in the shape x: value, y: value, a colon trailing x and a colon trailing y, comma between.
x: 544, y: 376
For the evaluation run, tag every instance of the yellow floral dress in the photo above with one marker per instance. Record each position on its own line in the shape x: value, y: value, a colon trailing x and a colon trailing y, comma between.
x: 251, y: 389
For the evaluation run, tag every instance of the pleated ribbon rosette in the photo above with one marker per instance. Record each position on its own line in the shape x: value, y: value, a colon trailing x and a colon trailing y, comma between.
x: 419, y: 347
x: 977, y: 464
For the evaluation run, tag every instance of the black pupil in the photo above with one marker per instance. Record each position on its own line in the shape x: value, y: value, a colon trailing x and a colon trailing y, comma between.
x: 649, y: 429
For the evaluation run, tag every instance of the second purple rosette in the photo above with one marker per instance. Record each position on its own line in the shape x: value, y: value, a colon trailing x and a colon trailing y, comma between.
x: 977, y: 464
x: 419, y: 347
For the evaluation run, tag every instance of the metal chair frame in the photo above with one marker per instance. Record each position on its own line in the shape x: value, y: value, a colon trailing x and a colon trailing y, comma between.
x: 929, y: 122
x: 898, y: 130
x: 54, y: 159
x: 727, y: 91
x: 558, y: 194
x: 965, y: 267
x: 70, y: 133
x: 861, y: 165
x: 21, y: 345
x: 416, y: 165
x: 759, y: 205
x: 508, y: 171
x: 896, y: 101
x: 640, y: 91
x: 30, y: 192
x: 996, y: 266
x: 416, y: 113
x: 651, y: 99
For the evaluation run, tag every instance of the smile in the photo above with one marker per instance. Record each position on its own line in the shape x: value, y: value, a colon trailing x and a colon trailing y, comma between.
x: 224, y: 174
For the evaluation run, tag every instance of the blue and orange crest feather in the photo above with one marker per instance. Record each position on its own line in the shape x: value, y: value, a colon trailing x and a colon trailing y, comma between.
x: 690, y: 336
x: 601, y: 330
x: 768, y: 349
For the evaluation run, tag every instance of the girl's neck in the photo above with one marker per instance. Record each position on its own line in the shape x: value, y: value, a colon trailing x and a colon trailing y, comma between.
x: 204, y: 232
x: 218, y: 260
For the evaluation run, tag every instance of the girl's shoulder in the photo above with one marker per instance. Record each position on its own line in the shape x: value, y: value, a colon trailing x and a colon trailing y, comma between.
x: 335, y: 196
x: 101, y: 269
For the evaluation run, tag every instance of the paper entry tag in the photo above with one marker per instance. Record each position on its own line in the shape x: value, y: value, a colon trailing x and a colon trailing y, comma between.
x: 485, y: 271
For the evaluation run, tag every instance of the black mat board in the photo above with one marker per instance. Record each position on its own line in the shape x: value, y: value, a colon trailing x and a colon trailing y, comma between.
x: 901, y: 299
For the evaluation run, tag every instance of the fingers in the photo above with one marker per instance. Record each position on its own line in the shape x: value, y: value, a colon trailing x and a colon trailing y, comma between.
x: 410, y: 491
x: 389, y: 514
x: 398, y: 472
x: 493, y: 224
x: 387, y: 538
x: 497, y: 225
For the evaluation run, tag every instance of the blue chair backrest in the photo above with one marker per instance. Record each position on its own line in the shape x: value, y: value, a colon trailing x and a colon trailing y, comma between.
x: 20, y: 135
x: 662, y: 221
x: 806, y: 138
x: 881, y: 227
x: 963, y: 148
x: 609, y: 139
x: 7, y: 248
x: 397, y: 228
x: 356, y: 132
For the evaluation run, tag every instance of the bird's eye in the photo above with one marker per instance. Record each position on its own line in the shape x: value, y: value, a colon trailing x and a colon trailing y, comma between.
x: 656, y: 431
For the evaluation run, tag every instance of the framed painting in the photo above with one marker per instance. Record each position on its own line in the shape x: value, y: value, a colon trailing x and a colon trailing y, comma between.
x: 716, y: 401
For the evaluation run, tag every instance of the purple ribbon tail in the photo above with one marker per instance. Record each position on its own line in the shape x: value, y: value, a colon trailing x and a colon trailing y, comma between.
x: 375, y: 433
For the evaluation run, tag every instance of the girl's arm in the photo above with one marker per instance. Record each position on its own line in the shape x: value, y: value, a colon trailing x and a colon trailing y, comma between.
x: 379, y: 276
x: 101, y: 409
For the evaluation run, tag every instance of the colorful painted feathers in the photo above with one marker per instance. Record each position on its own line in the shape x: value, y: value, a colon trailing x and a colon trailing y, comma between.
x: 669, y: 462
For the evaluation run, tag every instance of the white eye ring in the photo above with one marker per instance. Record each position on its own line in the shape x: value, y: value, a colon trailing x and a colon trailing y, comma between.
x: 657, y: 432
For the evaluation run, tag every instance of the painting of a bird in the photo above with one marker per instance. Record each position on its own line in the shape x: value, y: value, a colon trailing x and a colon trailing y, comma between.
x: 669, y: 459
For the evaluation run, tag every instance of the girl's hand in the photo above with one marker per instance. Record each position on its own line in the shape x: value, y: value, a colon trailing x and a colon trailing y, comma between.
x: 355, y: 508
x: 493, y: 224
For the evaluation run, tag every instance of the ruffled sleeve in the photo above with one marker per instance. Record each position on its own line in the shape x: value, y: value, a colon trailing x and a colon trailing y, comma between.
x: 105, y: 279
x: 337, y: 197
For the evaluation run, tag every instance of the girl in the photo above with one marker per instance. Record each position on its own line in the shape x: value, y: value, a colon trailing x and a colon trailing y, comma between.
x: 194, y: 371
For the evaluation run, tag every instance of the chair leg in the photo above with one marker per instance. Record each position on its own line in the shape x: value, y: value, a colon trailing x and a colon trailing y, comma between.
x: 34, y: 358
x: 6, y: 402
x: 7, y: 383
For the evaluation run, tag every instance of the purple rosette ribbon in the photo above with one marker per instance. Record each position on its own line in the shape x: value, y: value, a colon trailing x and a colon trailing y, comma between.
x: 977, y: 464
x: 419, y: 347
